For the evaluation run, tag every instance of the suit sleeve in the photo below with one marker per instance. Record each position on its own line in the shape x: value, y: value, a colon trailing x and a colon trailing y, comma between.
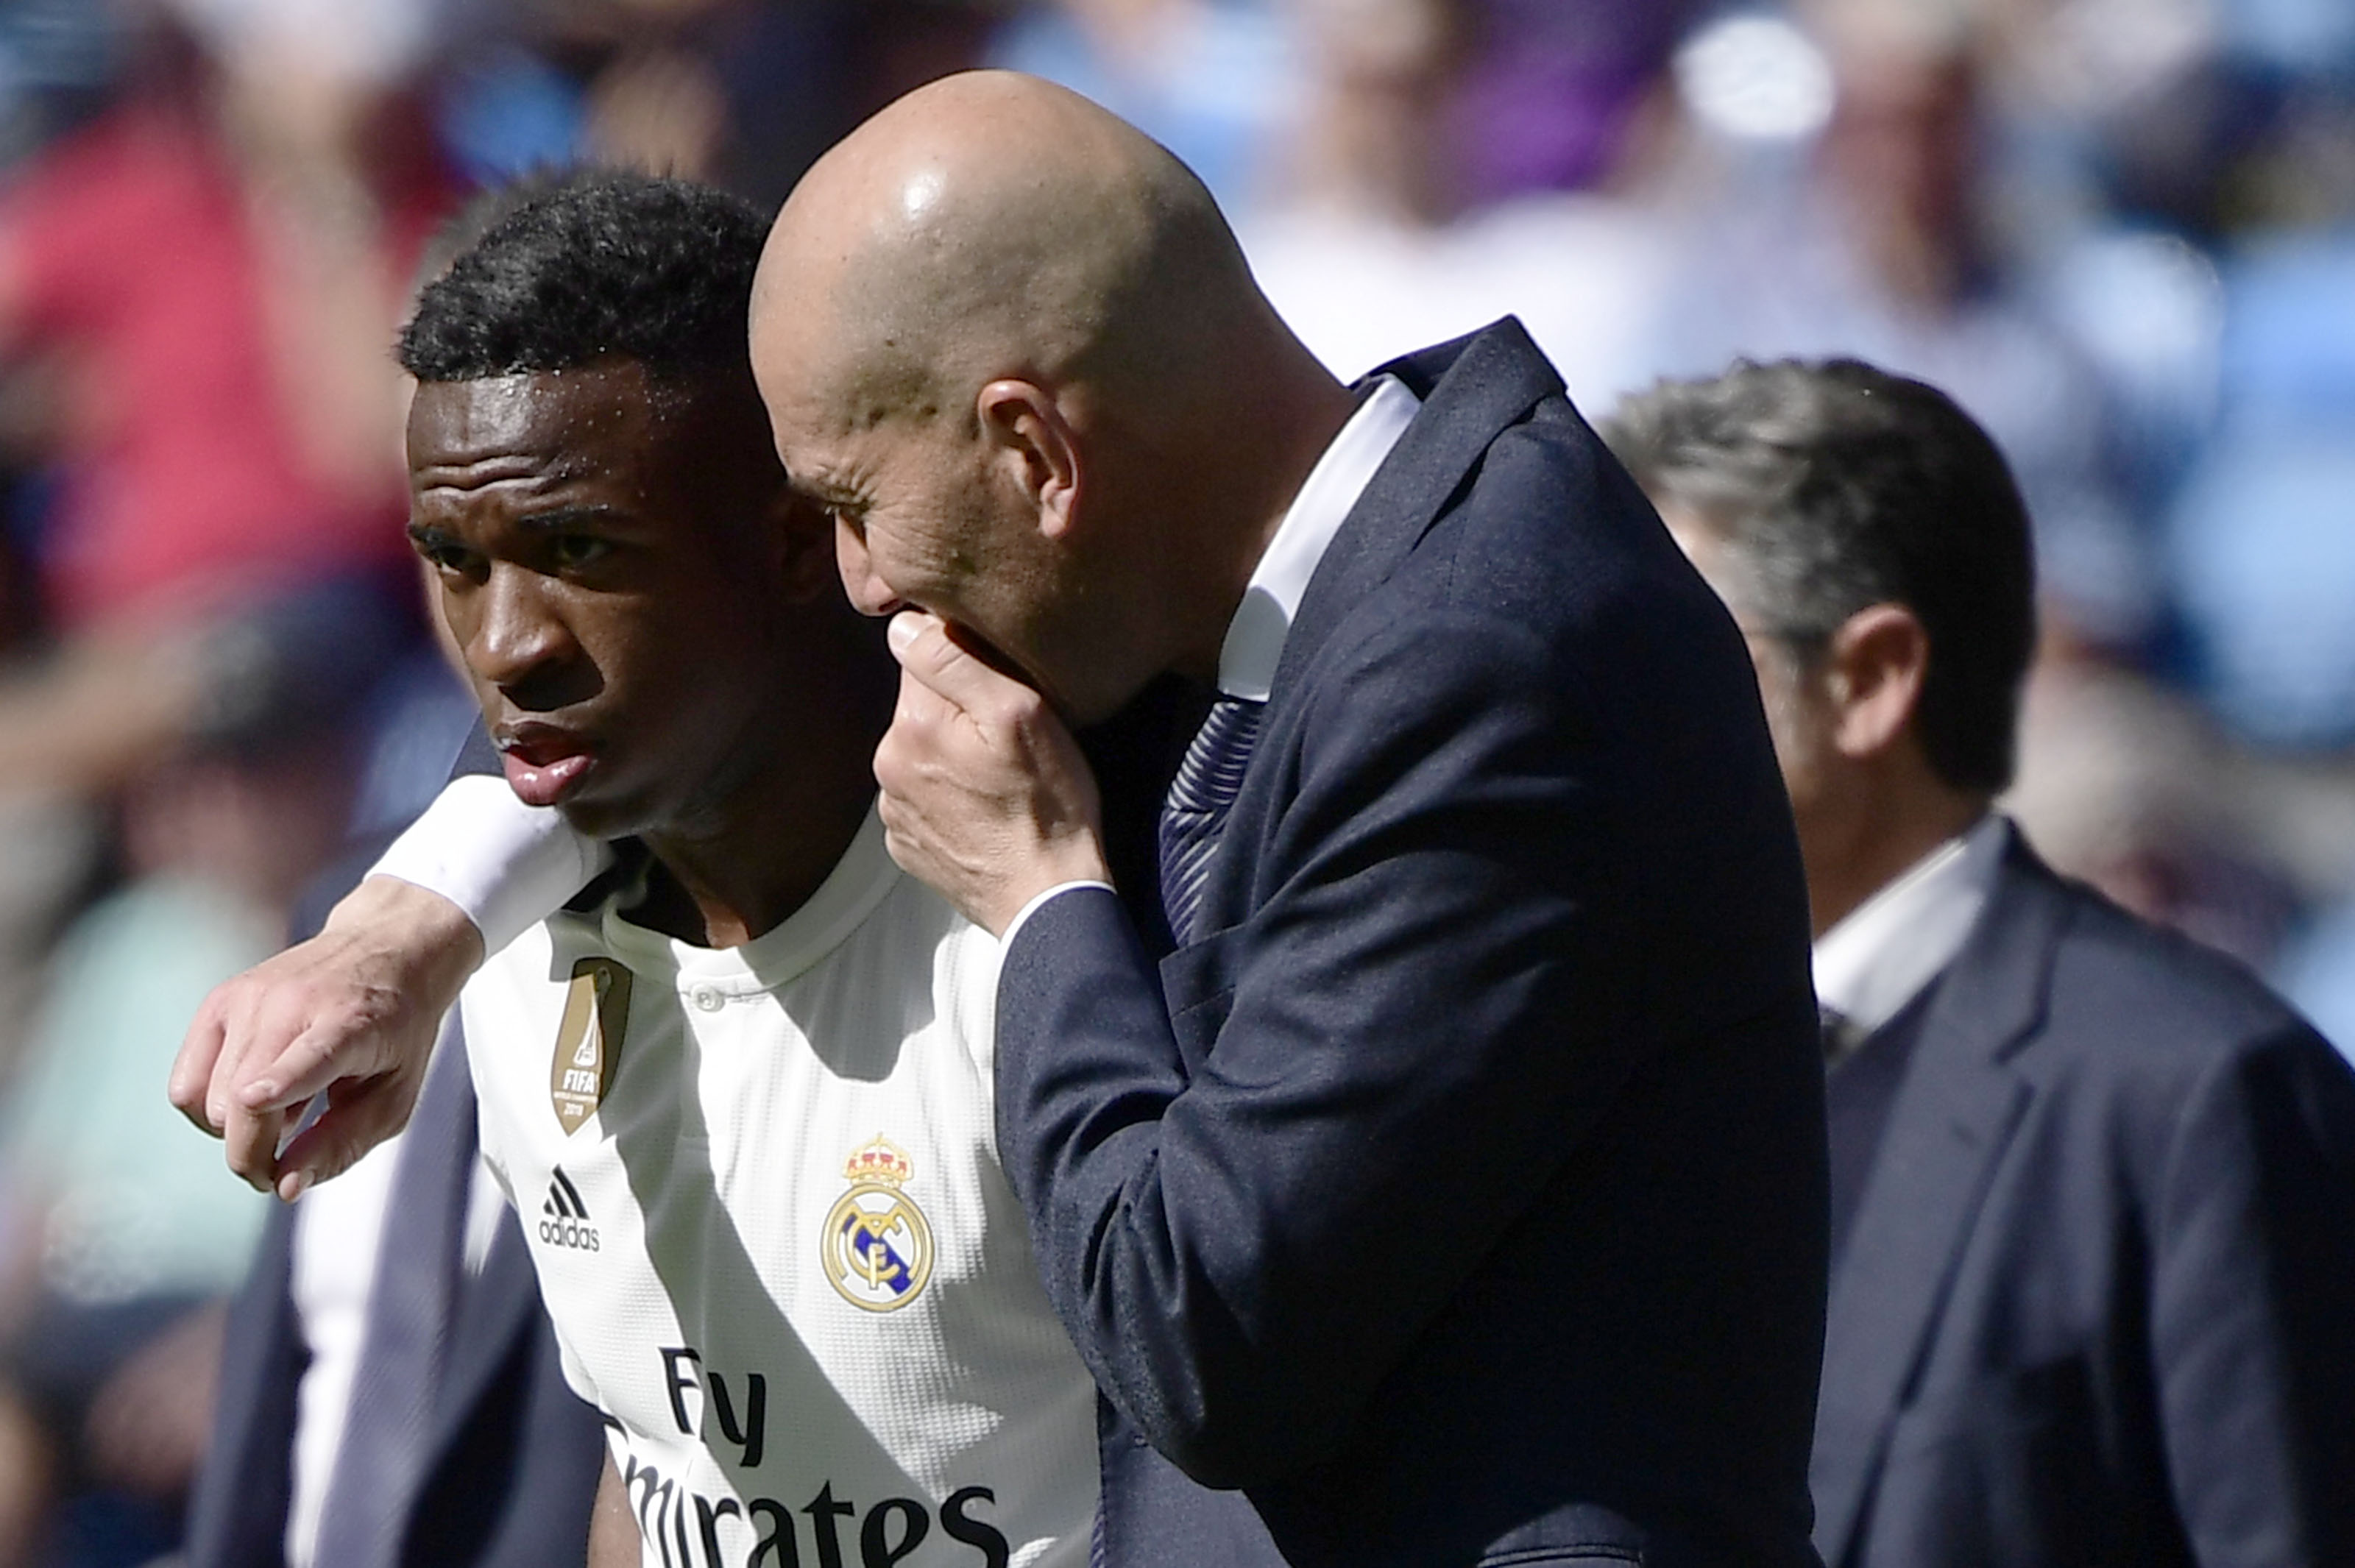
x: 1404, y: 1038
x: 2254, y: 1306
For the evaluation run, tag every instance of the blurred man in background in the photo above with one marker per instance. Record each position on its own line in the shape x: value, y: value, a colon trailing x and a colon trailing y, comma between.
x: 2092, y: 1188
x: 391, y: 1391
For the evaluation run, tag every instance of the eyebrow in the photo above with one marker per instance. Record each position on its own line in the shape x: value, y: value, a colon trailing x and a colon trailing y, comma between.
x: 562, y: 519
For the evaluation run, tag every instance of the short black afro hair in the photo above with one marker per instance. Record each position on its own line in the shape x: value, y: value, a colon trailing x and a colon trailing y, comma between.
x: 563, y: 270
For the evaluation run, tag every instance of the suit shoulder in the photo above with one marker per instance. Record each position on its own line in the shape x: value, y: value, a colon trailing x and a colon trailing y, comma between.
x: 2127, y: 998
x: 2210, y: 992
x: 1549, y: 478
x: 2181, y: 1061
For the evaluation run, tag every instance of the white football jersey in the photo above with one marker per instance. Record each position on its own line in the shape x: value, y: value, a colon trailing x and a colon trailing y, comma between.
x: 762, y: 1190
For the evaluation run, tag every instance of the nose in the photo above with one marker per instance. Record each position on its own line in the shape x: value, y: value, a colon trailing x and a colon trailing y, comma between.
x: 868, y: 592
x: 518, y: 641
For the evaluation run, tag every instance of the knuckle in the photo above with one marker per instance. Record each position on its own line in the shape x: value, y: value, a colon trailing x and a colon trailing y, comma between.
x: 1022, y: 706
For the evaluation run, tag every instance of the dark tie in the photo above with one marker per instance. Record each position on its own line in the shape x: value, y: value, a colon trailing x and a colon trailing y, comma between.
x: 419, y: 1257
x: 1196, y: 806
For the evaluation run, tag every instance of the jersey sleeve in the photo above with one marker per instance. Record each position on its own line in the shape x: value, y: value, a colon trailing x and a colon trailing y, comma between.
x: 509, y: 866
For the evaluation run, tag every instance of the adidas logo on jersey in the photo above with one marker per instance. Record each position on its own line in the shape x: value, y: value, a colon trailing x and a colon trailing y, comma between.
x: 564, y: 1218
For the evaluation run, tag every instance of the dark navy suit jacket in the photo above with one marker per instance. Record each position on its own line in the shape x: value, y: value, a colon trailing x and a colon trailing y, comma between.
x: 516, y: 1455
x: 2098, y: 1304
x: 1460, y: 1196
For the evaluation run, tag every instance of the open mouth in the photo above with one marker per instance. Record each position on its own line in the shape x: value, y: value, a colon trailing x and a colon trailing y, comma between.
x: 543, y: 765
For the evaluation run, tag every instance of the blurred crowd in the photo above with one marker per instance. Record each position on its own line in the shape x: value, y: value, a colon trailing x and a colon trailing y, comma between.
x: 2120, y: 232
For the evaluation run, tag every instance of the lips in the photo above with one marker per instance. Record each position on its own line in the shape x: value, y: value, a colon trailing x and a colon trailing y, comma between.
x: 544, y: 764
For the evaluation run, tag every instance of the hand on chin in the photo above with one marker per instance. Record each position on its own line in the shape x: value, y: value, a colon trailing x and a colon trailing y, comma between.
x: 986, y: 797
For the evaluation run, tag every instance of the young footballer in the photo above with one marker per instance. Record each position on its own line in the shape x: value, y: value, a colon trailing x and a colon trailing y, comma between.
x: 740, y: 1088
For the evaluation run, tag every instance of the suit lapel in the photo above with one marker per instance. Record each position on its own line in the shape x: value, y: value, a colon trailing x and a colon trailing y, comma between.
x: 493, y: 1307
x: 1956, y: 1113
x: 1471, y: 391
x: 237, y: 1513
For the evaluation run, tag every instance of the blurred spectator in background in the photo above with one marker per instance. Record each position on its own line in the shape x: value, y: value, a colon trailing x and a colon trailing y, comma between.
x: 1865, y: 225
x: 1374, y: 237
x: 125, y: 1235
x: 712, y: 89
x: 2198, y: 243
x: 743, y: 93
x: 220, y: 431
x: 1554, y: 93
x: 1213, y: 80
x: 2093, y: 1289
x: 195, y: 288
x: 2132, y: 788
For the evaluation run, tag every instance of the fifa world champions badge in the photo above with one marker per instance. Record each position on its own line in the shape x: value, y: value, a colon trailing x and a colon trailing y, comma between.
x: 876, y: 1244
x: 588, y: 1040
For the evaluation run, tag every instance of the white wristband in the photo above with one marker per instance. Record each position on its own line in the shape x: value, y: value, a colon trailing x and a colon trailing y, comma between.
x: 507, y: 864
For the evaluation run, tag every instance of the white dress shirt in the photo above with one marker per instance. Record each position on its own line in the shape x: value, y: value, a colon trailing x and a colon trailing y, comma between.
x: 1256, y: 635
x: 1261, y: 623
x: 1884, y: 950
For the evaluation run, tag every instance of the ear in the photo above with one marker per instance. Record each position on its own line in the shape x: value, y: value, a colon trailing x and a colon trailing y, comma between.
x: 802, y: 534
x: 1033, y: 441
x: 1873, y: 674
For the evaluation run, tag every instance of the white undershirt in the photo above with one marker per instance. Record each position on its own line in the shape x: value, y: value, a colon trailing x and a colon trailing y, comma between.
x: 1881, y: 953
x: 509, y: 866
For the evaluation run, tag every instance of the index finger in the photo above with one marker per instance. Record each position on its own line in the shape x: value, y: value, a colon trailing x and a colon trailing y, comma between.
x: 327, y: 1048
x: 931, y: 655
x: 190, y: 1084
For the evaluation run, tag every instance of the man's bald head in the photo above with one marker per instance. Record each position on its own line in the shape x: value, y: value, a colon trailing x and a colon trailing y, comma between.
x: 993, y: 224
x: 993, y: 299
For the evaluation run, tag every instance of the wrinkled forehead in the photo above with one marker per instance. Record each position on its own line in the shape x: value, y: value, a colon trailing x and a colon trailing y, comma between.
x: 593, y: 416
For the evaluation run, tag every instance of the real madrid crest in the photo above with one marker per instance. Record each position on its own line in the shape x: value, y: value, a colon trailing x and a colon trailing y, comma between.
x: 876, y: 1245
x: 588, y: 1039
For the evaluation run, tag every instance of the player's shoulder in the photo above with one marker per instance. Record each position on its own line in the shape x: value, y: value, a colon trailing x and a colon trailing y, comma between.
x: 515, y: 976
